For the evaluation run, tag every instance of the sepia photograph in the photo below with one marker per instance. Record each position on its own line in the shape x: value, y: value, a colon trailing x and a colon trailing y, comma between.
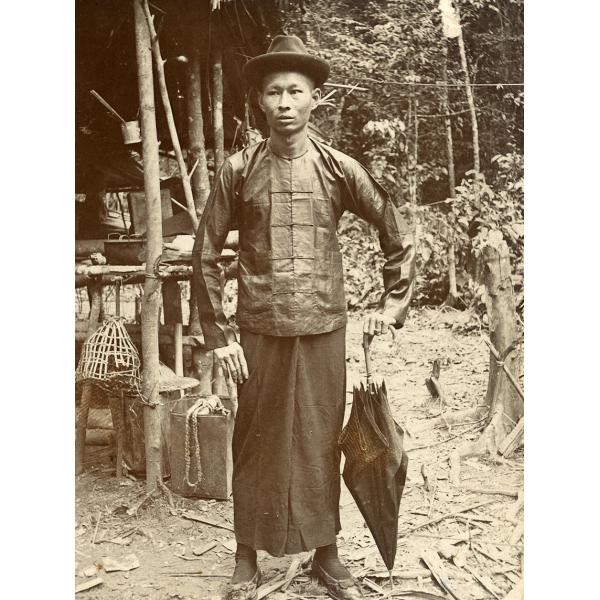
x: 299, y: 233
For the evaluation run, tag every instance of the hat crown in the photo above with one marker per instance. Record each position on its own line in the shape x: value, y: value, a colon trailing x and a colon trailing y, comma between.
x: 287, y: 43
x: 286, y: 53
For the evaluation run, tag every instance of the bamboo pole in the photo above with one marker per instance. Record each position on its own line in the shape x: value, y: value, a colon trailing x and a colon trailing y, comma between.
x: 217, y: 101
x: 164, y: 94
x: 200, y: 179
x: 152, y: 284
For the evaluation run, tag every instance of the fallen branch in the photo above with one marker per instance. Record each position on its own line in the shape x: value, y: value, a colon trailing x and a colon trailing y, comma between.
x: 193, y: 574
x: 516, y: 593
x: 438, y: 443
x: 434, y: 564
x: 513, y: 511
x: 412, y: 574
x: 87, y: 585
x: 295, y: 568
x: 194, y: 517
x: 513, y: 440
x: 97, y: 525
x: 517, y: 534
x: 446, y: 516
x: 460, y: 417
x: 500, y: 491
x: 484, y: 582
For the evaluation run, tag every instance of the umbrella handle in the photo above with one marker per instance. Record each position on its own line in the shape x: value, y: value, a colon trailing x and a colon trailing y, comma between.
x: 366, y: 344
x: 367, y: 338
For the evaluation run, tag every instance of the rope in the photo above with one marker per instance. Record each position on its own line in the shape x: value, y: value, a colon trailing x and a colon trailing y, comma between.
x: 442, y: 85
x: 191, y: 429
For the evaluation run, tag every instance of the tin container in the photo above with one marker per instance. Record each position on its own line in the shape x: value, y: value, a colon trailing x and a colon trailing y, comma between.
x: 215, y: 433
x: 125, y: 252
x: 134, y: 450
x: 131, y: 132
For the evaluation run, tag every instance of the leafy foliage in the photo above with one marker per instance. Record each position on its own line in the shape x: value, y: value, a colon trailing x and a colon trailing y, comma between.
x: 394, y: 51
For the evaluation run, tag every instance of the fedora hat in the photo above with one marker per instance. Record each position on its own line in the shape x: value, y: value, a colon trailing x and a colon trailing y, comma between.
x: 286, y: 53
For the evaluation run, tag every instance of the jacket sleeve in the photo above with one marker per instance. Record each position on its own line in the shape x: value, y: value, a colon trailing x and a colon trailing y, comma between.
x: 367, y: 199
x: 216, y: 221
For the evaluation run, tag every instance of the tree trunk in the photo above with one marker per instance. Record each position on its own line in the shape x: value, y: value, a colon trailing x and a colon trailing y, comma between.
x: 164, y: 93
x: 197, y: 152
x: 470, y: 99
x: 217, y: 102
x: 413, y: 153
x: 448, y: 123
x: 152, y: 285
x: 451, y: 250
x: 452, y: 287
x: 503, y: 404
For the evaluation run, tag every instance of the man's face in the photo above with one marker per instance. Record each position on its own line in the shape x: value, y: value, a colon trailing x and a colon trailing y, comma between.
x: 287, y: 99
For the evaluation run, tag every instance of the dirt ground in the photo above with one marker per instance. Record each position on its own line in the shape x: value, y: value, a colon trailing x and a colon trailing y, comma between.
x: 115, y: 519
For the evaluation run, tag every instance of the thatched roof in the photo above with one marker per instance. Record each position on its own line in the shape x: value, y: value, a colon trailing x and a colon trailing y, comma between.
x: 105, y: 61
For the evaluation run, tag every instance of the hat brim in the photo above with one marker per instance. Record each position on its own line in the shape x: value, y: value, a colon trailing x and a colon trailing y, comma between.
x: 312, y: 66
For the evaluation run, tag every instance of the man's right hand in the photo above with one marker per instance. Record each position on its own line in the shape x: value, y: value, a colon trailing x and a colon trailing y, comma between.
x: 232, y: 360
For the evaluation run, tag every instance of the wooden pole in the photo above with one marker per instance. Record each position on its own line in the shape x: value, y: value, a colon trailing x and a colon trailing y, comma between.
x: 197, y: 154
x: 164, y: 94
x: 174, y: 318
x: 152, y: 284
x: 95, y: 295
x: 217, y: 99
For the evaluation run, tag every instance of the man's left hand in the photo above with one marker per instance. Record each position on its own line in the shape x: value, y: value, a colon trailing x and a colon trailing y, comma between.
x: 378, y: 323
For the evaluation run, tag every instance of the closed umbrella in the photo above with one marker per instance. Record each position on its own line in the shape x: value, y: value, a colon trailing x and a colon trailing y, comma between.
x: 376, y: 464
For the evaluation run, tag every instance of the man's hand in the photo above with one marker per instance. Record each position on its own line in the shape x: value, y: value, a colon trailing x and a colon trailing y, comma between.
x: 232, y: 360
x: 378, y: 323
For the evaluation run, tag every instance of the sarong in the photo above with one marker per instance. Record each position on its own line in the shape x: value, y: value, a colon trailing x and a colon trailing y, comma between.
x: 286, y: 473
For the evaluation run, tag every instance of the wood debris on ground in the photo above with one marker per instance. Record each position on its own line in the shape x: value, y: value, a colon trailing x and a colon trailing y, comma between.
x: 466, y: 529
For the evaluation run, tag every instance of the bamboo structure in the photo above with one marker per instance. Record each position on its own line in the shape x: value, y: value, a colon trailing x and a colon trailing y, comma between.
x: 152, y: 284
x: 164, y: 94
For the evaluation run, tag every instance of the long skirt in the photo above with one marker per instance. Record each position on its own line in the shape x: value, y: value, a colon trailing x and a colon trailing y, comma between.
x: 286, y: 473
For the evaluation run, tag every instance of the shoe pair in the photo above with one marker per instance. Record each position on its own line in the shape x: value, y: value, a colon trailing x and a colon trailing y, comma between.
x: 338, y: 589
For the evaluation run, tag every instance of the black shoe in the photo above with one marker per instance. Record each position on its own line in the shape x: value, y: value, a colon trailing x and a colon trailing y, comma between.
x: 246, y: 590
x: 339, y: 589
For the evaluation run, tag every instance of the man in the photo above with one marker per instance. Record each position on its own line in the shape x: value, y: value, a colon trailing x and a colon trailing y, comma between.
x: 286, y: 195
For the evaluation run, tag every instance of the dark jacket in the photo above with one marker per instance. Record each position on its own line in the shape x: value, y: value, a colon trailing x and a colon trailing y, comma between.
x: 290, y: 275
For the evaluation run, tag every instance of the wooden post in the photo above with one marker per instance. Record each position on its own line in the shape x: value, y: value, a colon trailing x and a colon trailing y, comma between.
x: 152, y: 285
x: 95, y: 296
x: 217, y: 100
x: 173, y: 316
x: 197, y: 152
x: 164, y: 94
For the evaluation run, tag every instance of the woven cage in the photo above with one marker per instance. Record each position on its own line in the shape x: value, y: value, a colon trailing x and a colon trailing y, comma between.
x: 110, y: 359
